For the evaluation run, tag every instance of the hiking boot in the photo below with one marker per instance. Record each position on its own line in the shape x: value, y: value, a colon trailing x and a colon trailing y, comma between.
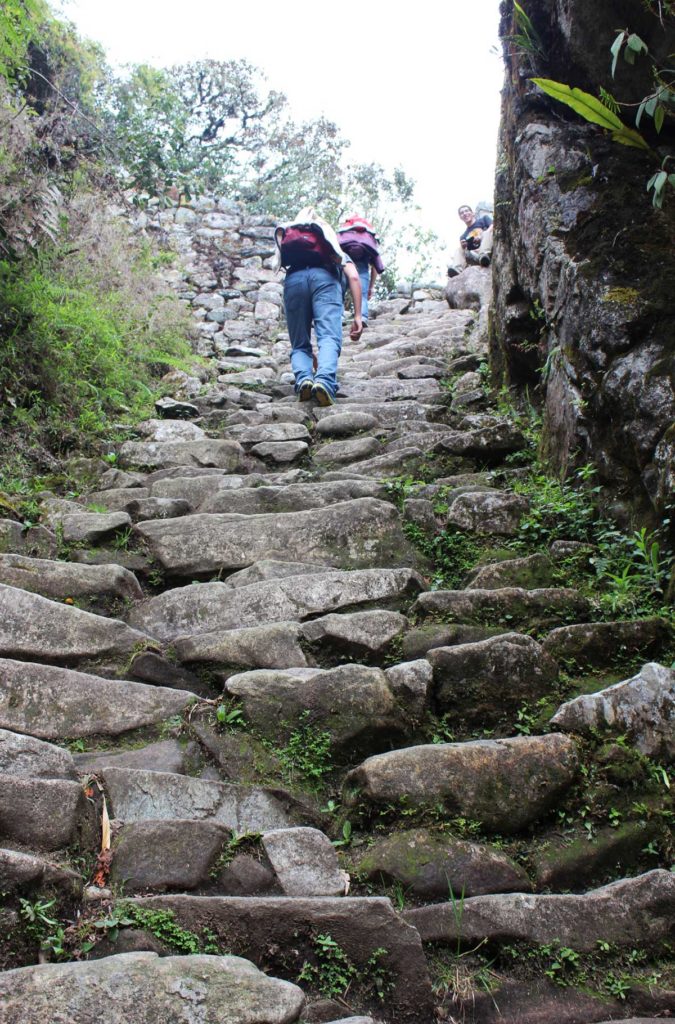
x: 305, y: 390
x: 484, y: 260
x: 322, y: 395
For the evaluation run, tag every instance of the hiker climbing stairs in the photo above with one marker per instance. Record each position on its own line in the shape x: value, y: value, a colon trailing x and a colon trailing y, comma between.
x: 292, y: 729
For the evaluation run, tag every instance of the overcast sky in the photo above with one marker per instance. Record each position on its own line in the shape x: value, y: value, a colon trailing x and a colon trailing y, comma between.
x: 415, y: 86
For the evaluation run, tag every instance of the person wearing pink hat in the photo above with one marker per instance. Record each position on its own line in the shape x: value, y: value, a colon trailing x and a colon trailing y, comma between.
x: 357, y: 238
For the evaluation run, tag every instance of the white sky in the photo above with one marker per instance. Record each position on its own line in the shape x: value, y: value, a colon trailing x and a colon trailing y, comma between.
x: 415, y: 85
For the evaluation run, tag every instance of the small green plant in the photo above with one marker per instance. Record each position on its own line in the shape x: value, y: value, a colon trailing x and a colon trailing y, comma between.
x: 525, y: 720
x: 307, y: 752
x: 231, y: 718
x: 617, y: 986
x: 563, y: 967
x: 38, y: 921
x: 346, y: 836
x: 333, y: 971
x: 525, y: 37
x: 161, y: 923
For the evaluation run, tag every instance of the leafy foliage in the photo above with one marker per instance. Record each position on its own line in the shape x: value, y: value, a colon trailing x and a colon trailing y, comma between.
x: 659, y: 104
x: 19, y: 21
x: 80, y: 339
x: 593, y: 110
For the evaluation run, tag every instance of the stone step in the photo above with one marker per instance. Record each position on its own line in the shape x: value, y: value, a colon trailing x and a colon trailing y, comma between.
x: 291, y: 498
x: 210, y: 607
x: 631, y: 912
x: 353, y: 704
x: 281, y: 933
x: 58, y: 581
x: 32, y: 626
x: 140, y: 795
x: 153, y: 455
x: 511, y: 606
x: 59, y: 703
x: 360, y: 533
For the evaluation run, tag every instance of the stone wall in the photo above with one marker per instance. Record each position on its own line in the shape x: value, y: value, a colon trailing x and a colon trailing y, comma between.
x: 584, y: 265
x: 226, y: 270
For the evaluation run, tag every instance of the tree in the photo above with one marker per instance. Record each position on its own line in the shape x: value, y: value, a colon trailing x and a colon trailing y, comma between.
x: 211, y: 126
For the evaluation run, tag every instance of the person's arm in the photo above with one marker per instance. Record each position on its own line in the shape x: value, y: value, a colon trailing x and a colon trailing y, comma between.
x: 373, y: 278
x: 354, y: 282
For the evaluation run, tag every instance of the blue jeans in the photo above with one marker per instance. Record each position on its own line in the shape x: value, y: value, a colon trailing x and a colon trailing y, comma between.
x: 314, y: 295
x: 364, y: 276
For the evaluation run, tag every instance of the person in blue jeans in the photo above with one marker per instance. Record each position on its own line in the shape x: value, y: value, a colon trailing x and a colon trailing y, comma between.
x: 315, y: 265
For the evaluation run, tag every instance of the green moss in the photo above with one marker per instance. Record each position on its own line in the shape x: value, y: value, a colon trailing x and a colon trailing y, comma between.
x: 621, y: 296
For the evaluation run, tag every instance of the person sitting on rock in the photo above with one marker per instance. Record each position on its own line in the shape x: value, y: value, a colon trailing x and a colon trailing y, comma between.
x: 315, y: 264
x: 475, y: 242
x: 357, y: 238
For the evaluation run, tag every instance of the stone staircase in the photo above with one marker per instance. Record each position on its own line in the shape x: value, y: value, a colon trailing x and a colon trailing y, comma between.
x: 237, y: 722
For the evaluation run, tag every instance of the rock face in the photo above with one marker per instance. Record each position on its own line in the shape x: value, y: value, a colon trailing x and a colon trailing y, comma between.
x: 577, y: 242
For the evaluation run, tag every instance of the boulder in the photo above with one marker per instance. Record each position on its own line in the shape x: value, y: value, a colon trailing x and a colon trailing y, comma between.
x: 643, y: 708
x: 341, y: 452
x: 92, y: 527
x: 21, y: 870
x: 429, y: 635
x: 352, y: 703
x: 30, y: 758
x: 137, y: 795
x: 488, y: 444
x: 273, y: 432
x: 487, y: 512
x: 440, y: 867
x: 273, y: 646
x: 305, y: 862
x: 59, y: 580
x: 163, y: 756
x: 480, y: 682
x: 511, y: 606
x: 172, y: 989
x: 31, y: 626
x: 505, y: 784
x: 273, y: 569
x: 344, y: 424
x: 281, y: 452
x: 531, y: 573
x: 151, y: 455
x: 59, y: 703
x: 43, y: 814
x: 572, y: 862
x: 289, y: 498
x: 357, y: 633
x: 594, y: 644
x: 160, y: 855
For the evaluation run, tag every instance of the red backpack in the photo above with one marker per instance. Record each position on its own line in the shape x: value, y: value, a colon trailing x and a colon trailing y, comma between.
x: 303, y: 245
